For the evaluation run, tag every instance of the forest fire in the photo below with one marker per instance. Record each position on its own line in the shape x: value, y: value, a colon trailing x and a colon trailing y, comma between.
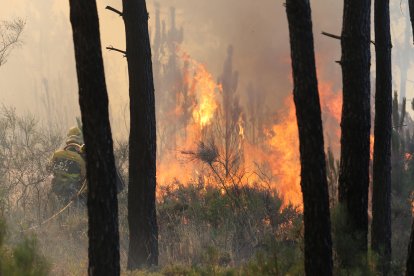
x: 284, y: 156
x: 279, y: 152
x: 214, y: 137
x: 203, y: 113
x: 283, y: 139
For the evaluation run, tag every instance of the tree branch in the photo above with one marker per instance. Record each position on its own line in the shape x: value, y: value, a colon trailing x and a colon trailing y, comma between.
x: 110, y: 48
x: 331, y: 35
x: 339, y: 37
x: 114, y: 10
x: 10, y: 33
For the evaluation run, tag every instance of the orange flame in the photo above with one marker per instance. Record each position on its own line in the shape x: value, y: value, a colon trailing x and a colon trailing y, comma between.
x: 284, y: 158
x: 284, y: 141
x: 280, y: 150
x: 205, y: 91
x: 207, y: 104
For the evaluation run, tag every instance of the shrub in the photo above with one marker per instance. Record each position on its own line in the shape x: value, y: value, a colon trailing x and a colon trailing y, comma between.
x: 22, y: 259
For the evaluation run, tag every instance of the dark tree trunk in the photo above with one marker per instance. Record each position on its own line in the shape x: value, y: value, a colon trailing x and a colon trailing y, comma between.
x: 93, y: 99
x: 410, y: 257
x: 143, y: 230
x: 356, y: 119
x: 318, y: 244
x: 381, y: 195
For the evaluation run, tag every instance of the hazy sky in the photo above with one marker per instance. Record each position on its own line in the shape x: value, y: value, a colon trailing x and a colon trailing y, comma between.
x: 256, y: 28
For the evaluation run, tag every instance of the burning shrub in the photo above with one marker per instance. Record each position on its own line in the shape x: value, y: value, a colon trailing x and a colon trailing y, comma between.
x: 206, y: 152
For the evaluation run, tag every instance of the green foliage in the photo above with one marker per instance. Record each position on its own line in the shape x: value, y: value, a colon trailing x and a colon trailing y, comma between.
x: 345, y: 243
x: 23, y: 259
x: 272, y: 262
x: 196, y: 218
x: 208, y: 233
x: 278, y: 259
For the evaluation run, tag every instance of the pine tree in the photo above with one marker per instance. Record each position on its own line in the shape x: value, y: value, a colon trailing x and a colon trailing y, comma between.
x: 381, y: 197
x: 356, y: 119
x: 318, y: 244
x: 142, y: 219
x: 101, y: 174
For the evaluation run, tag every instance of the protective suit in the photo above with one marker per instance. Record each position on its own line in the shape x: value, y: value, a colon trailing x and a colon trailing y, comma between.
x: 68, y: 166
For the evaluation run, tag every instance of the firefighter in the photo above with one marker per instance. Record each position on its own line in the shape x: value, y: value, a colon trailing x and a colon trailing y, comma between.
x: 68, y: 167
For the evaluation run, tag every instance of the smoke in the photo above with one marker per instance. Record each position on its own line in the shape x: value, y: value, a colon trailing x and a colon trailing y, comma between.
x: 43, y: 69
x: 259, y: 34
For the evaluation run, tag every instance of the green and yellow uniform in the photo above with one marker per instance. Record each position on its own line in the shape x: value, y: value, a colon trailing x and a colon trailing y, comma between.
x: 68, y: 167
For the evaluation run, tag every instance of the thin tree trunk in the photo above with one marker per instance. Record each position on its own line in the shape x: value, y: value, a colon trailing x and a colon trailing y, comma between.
x: 318, y: 244
x: 356, y: 119
x: 93, y: 99
x: 381, y: 195
x: 410, y: 256
x: 143, y: 230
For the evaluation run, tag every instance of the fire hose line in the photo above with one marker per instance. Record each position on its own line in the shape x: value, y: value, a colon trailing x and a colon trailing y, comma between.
x: 61, y: 210
x: 123, y: 247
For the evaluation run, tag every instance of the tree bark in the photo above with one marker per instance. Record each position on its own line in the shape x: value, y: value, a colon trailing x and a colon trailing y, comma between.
x: 143, y: 230
x: 356, y: 119
x: 381, y: 195
x: 318, y: 244
x: 93, y: 99
x: 410, y: 257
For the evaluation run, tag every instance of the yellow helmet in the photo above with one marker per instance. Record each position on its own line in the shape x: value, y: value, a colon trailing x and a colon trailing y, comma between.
x: 74, y: 139
x: 74, y: 131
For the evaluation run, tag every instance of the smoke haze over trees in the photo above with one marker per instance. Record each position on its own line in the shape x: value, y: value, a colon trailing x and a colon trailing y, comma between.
x: 263, y: 64
x: 225, y: 167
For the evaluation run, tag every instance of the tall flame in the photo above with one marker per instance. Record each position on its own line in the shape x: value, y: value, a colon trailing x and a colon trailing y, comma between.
x: 284, y: 158
x: 280, y: 150
x: 207, y: 103
x: 205, y: 89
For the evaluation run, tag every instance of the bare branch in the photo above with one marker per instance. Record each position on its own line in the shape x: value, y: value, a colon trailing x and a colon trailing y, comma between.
x: 339, y: 37
x: 110, y: 48
x: 331, y: 35
x: 10, y: 33
x: 114, y: 10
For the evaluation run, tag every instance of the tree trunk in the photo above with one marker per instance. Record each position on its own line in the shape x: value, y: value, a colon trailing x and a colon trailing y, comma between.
x: 381, y: 196
x: 410, y: 257
x: 143, y: 230
x: 356, y: 119
x: 318, y: 244
x: 93, y: 99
